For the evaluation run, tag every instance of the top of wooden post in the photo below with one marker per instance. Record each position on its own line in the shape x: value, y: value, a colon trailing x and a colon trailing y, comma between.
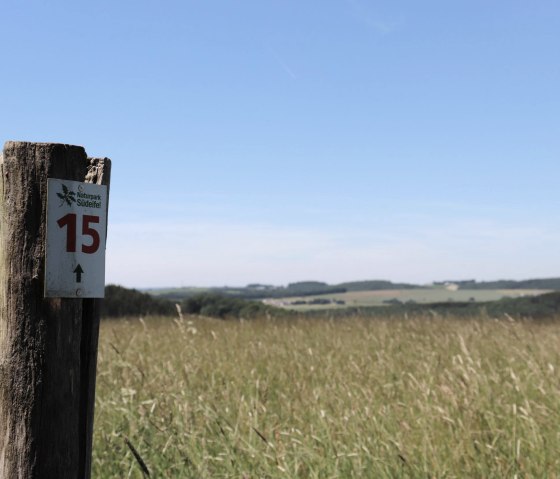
x: 15, y: 143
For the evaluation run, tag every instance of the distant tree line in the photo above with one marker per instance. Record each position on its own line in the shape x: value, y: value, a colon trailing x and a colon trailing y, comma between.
x: 120, y: 302
x: 376, y: 285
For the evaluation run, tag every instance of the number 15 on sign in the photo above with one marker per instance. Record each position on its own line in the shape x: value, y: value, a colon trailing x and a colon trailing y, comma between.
x: 76, y: 231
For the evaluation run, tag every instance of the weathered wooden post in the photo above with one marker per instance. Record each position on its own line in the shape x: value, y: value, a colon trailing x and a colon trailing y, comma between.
x: 48, y: 327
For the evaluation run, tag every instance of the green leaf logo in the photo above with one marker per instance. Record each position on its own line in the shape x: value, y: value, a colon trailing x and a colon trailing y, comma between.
x: 66, y: 196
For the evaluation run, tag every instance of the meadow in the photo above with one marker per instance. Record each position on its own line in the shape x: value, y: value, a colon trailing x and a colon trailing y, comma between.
x: 322, y: 398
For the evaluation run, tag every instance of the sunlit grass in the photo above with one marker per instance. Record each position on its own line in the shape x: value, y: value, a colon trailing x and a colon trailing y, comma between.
x: 328, y: 398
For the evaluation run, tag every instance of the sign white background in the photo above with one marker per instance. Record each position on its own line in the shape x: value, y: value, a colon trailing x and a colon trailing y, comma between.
x: 76, y: 233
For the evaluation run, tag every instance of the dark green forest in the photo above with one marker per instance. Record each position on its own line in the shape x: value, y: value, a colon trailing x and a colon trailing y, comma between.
x: 120, y: 302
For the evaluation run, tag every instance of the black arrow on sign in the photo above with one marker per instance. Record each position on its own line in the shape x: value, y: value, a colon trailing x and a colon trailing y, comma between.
x: 78, y: 272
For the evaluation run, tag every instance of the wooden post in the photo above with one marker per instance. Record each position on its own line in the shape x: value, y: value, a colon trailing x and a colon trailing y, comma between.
x: 48, y: 346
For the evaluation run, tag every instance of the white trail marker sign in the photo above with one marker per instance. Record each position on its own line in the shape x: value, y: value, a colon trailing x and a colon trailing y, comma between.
x: 76, y: 233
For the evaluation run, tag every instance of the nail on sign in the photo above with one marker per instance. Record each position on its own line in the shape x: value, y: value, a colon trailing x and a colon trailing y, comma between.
x: 76, y: 232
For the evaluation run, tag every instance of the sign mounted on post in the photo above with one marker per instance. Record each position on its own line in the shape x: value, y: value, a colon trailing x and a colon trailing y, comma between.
x: 76, y: 232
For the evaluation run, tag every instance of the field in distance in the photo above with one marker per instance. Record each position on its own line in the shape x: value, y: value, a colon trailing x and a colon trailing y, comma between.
x: 396, y: 296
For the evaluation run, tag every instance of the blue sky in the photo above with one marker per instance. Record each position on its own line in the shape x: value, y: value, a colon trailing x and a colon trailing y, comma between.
x: 282, y: 140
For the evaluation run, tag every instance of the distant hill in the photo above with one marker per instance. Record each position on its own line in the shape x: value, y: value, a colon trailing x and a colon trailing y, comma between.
x: 375, y: 285
x: 262, y: 291
x: 314, y: 288
x: 544, y: 306
x: 252, y: 291
x: 549, y: 283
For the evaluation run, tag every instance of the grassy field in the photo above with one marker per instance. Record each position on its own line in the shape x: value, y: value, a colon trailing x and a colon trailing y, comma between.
x: 425, y: 397
x: 424, y: 295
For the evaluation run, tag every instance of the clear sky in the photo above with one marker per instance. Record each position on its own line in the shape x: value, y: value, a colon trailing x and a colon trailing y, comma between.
x: 282, y: 140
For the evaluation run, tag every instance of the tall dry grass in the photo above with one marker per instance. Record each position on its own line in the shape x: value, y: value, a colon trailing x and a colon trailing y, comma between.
x: 328, y: 399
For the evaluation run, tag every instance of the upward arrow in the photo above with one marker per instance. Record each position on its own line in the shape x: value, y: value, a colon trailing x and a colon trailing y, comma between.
x: 78, y: 272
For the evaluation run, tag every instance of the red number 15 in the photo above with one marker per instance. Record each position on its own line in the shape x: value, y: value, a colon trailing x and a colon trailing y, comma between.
x: 70, y: 221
